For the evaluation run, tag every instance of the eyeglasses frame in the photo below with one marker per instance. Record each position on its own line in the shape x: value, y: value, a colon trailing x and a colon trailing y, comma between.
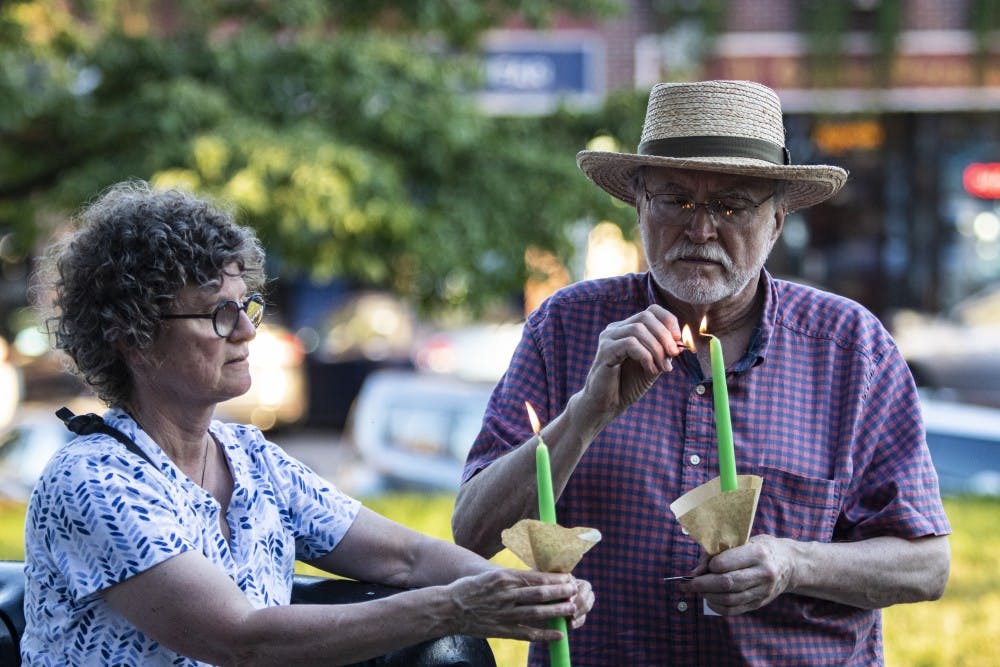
x: 256, y: 297
x: 711, y: 207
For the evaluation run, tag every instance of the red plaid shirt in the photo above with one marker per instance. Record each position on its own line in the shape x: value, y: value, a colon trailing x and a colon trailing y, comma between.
x: 823, y: 408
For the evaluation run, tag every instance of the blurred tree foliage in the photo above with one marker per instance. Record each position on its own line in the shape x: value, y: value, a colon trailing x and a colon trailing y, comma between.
x: 345, y: 132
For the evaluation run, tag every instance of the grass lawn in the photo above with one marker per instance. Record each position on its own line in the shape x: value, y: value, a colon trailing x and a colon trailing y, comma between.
x: 960, y: 630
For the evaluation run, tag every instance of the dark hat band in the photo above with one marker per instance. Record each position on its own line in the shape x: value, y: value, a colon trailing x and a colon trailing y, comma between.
x: 716, y: 146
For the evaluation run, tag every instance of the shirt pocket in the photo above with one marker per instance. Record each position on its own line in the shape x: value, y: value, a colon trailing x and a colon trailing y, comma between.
x: 797, y: 507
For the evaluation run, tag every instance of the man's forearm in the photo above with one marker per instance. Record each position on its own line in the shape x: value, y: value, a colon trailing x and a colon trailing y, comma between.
x: 495, y: 499
x: 873, y: 573
x: 506, y: 492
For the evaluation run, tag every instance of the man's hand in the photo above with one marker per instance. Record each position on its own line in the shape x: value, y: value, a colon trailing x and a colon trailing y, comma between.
x: 868, y: 574
x: 631, y: 354
x: 744, y: 578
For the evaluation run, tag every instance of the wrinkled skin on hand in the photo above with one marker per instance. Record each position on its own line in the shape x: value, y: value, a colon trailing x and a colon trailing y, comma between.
x: 744, y: 578
x: 517, y: 604
x: 631, y: 354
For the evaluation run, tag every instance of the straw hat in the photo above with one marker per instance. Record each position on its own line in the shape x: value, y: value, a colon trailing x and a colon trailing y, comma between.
x: 729, y: 127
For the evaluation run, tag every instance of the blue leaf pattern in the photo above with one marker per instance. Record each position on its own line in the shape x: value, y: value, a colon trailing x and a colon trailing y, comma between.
x: 100, y: 515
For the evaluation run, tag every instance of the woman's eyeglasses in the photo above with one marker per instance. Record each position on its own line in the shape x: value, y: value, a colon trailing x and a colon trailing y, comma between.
x: 226, y: 315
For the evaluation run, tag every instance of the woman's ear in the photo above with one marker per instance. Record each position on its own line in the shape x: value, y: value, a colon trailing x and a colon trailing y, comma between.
x: 134, y: 357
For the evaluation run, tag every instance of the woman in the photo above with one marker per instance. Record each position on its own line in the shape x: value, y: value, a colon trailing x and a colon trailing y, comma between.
x: 188, y: 558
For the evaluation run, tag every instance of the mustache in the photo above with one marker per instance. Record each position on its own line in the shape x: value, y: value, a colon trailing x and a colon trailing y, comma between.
x: 707, y: 253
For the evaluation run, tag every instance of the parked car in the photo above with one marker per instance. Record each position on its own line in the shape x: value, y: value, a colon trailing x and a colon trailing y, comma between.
x: 279, y: 394
x: 964, y: 441
x: 366, y: 332
x: 955, y: 354
x: 25, y: 447
x: 10, y: 385
x: 30, y: 440
x: 415, y: 428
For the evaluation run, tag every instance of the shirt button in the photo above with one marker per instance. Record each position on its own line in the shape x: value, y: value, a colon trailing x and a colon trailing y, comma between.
x: 695, y: 459
x: 700, y: 390
x: 682, y: 606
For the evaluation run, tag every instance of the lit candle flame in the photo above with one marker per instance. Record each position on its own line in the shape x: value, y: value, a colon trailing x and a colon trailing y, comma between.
x: 536, y: 426
x: 703, y: 329
x: 687, y: 339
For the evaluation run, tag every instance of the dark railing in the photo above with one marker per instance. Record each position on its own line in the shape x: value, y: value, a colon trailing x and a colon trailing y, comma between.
x: 454, y: 651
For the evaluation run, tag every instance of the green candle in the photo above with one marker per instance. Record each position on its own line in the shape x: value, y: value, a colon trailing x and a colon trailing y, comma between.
x: 558, y: 650
x: 546, y: 499
x: 723, y: 423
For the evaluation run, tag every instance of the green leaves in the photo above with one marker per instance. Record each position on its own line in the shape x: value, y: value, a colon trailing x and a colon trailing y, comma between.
x: 354, y: 154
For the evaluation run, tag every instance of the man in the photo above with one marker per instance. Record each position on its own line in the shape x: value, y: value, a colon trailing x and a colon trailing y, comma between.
x: 823, y: 408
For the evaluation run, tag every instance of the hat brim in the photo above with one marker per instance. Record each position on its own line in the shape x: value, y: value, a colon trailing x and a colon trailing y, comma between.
x: 806, y: 185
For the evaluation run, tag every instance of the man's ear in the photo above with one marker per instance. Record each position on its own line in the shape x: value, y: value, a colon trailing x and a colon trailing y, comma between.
x: 779, y: 222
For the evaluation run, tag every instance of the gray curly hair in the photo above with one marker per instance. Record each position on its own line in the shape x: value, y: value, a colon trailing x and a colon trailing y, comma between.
x: 135, y: 248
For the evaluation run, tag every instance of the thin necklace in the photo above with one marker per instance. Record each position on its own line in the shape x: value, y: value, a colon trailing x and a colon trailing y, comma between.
x: 204, y: 463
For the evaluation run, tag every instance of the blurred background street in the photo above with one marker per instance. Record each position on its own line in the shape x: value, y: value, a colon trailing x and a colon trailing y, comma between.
x: 409, y: 168
x: 412, y: 178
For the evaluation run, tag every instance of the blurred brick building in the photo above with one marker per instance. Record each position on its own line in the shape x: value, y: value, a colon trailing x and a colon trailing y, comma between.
x: 903, y: 93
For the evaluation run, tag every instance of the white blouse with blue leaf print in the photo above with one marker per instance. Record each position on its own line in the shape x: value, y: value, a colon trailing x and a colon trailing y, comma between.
x: 100, y: 514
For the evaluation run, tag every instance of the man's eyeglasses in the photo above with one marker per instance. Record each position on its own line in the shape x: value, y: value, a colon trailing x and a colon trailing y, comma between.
x: 226, y: 315
x: 676, y: 209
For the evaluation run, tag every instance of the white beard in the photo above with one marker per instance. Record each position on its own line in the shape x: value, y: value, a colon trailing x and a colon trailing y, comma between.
x: 699, y: 289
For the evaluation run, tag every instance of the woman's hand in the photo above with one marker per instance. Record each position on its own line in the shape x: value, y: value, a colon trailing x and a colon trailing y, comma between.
x: 584, y: 601
x: 517, y: 604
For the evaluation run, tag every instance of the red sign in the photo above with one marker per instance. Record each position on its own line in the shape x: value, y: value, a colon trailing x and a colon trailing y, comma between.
x: 982, y: 179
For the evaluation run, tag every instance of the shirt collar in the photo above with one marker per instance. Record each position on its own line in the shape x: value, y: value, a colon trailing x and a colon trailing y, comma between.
x: 760, y: 339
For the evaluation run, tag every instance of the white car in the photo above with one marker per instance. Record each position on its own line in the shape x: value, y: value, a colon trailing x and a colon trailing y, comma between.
x: 414, y: 428
x: 964, y: 441
x: 11, y: 388
x: 955, y: 354
x: 30, y: 440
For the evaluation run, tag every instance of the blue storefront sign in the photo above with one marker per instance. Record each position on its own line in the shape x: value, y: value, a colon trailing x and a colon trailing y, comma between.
x: 535, y: 77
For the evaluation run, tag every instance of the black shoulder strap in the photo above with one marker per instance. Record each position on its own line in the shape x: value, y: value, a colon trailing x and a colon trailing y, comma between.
x: 91, y: 423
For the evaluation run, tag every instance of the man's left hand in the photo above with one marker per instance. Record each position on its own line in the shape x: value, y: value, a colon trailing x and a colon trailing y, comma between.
x: 744, y: 578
